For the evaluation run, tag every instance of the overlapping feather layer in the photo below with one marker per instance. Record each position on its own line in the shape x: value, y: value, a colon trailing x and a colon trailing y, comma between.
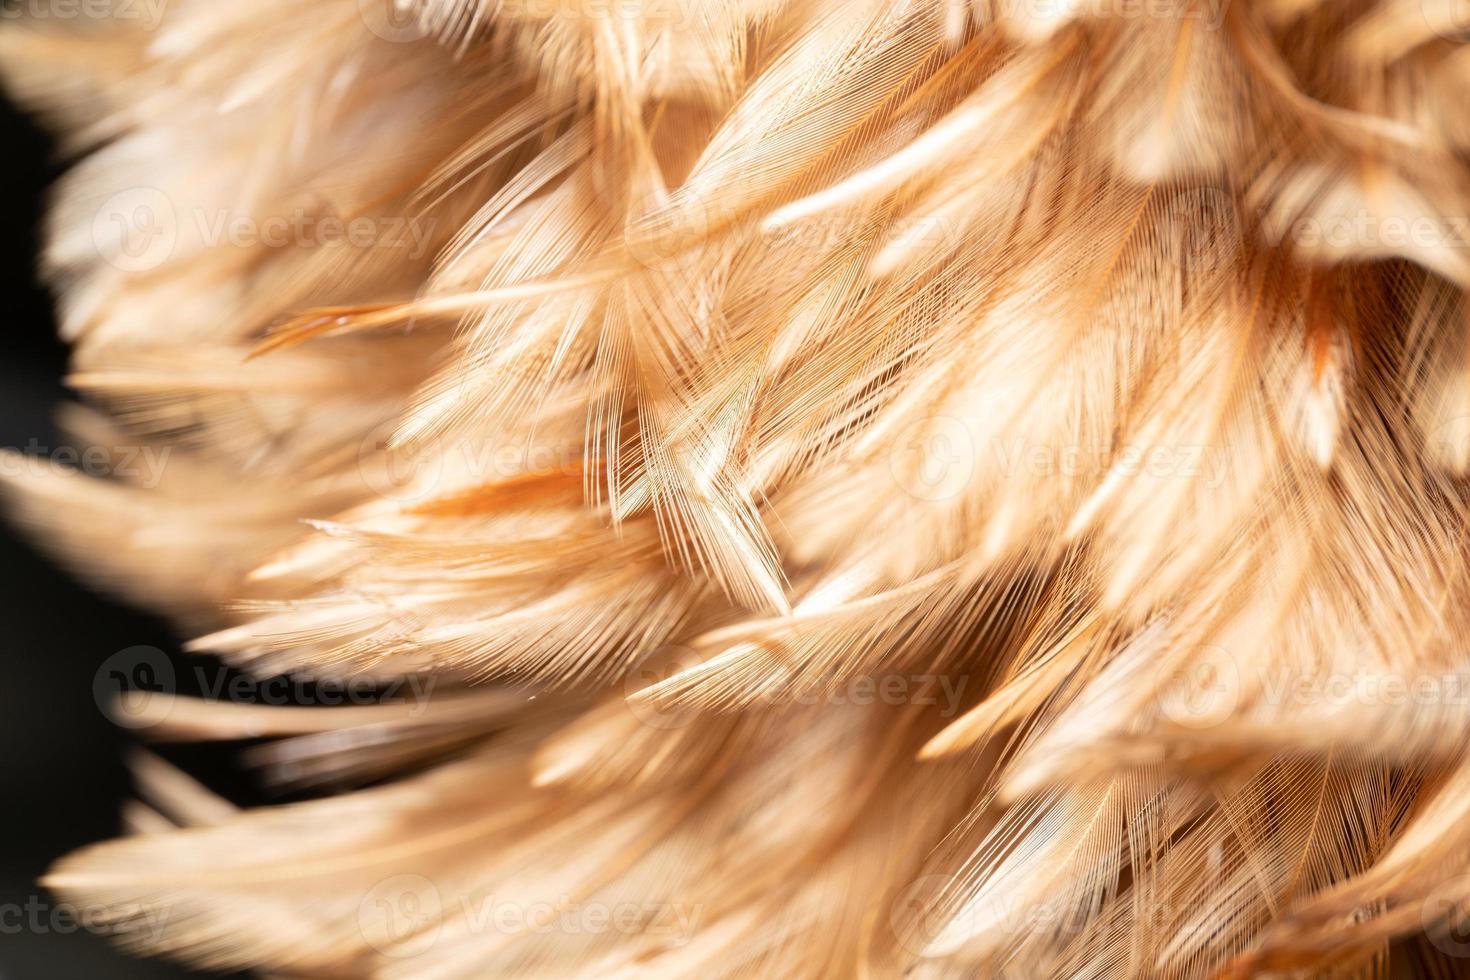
x: 887, y: 488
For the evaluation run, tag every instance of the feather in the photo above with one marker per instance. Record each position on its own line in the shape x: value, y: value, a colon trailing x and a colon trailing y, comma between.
x: 870, y: 488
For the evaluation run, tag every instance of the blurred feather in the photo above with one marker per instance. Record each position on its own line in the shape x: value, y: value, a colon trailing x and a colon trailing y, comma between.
x: 870, y: 488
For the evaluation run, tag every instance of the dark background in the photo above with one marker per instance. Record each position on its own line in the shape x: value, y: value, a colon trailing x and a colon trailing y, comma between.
x: 62, y: 774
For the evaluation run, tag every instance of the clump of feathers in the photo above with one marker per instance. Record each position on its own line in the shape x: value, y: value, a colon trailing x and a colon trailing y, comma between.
x: 884, y: 487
